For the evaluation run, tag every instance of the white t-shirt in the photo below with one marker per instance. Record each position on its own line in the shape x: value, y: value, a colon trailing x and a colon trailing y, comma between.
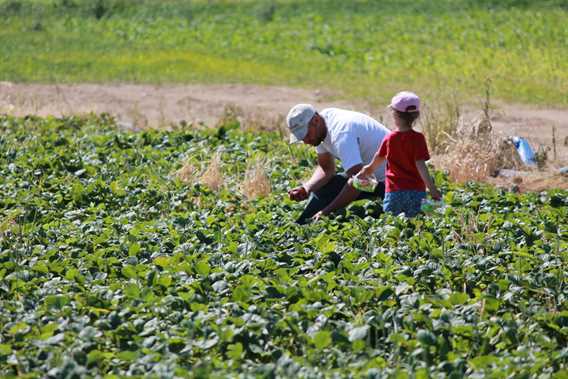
x: 353, y: 138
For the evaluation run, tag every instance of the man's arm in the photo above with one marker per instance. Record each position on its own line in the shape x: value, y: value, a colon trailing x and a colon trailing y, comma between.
x: 324, y: 171
x: 347, y: 195
x: 322, y: 174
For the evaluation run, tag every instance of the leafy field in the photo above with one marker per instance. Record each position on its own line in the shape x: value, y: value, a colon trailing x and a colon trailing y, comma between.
x: 109, y: 265
x: 368, y: 49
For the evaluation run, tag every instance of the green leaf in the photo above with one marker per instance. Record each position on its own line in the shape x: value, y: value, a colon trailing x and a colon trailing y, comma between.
x: 324, y: 244
x: 197, y: 307
x: 322, y: 339
x: 131, y: 290
x: 129, y: 271
x: 71, y: 273
x: 492, y: 304
x: 235, y: 351
x: 165, y: 280
x: 426, y: 337
x: 57, y: 301
x: 5, y: 349
x: 41, y: 266
x: 358, y: 333
x: 458, y: 298
x: 202, y: 267
x: 19, y: 328
x: 127, y: 356
x: 483, y: 362
x: 94, y: 356
x: 241, y: 294
x: 162, y: 261
x: 134, y: 249
x: 117, y: 189
x: 422, y: 373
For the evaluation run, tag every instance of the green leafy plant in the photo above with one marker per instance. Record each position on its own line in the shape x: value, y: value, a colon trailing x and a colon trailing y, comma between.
x: 111, y: 265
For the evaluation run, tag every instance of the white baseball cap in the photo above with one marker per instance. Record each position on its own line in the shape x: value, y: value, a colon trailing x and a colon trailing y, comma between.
x: 298, y: 120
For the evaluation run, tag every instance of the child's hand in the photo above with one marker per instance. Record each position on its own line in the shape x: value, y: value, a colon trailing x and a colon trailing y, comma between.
x: 364, y: 173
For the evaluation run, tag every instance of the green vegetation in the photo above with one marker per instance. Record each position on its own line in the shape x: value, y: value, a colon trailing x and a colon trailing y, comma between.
x: 362, y: 48
x: 109, y: 265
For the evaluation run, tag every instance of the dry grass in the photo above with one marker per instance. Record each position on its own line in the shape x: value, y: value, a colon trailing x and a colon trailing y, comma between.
x: 232, y: 115
x: 9, y: 222
x: 213, y: 176
x: 139, y: 120
x: 469, y: 150
x: 256, y: 183
x: 476, y: 157
x: 440, y: 124
x: 250, y: 121
x: 187, y: 173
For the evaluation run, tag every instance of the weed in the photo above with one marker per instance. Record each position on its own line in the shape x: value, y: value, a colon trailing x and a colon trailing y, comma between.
x: 139, y: 120
x: 231, y: 117
x: 187, y: 173
x: 213, y: 176
x: 541, y: 156
x: 440, y: 124
x: 256, y: 183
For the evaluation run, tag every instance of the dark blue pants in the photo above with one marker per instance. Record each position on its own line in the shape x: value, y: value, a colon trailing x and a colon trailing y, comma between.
x: 319, y: 199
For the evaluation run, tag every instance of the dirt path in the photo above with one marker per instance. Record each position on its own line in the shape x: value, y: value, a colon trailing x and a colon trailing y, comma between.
x: 141, y: 106
x: 155, y: 106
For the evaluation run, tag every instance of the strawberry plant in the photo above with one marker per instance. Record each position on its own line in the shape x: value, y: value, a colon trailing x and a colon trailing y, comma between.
x: 112, y: 266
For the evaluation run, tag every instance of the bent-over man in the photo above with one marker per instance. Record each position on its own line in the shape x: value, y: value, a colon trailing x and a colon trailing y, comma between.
x: 352, y: 138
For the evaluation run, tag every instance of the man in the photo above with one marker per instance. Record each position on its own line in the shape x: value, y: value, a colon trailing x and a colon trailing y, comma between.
x: 349, y: 136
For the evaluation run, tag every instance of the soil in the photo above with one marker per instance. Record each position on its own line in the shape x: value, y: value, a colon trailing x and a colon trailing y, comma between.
x: 137, y: 106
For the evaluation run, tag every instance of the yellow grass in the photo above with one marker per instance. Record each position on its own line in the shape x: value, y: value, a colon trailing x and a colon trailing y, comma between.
x: 474, y: 157
x: 187, y: 173
x: 256, y: 183
x: 213, y: 176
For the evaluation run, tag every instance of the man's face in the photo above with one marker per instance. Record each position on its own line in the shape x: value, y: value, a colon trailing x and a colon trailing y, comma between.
x: 314, y: 137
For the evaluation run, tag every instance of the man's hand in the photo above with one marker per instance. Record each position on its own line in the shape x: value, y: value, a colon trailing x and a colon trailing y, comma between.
x: 436, y: 195
x: 298, y: 193
x: 318, y: 216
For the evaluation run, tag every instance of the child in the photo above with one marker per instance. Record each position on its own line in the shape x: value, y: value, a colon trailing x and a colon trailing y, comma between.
x: 405, y: 151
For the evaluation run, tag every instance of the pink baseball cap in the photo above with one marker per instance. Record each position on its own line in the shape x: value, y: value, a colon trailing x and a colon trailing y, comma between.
x: 405, y: 101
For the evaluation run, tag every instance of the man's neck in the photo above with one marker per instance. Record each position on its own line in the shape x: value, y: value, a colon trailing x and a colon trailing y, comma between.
x: 324, y: 130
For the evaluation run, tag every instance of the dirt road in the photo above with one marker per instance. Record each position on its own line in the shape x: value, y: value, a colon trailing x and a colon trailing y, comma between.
x: 141, y: 106
x: 156, y: 106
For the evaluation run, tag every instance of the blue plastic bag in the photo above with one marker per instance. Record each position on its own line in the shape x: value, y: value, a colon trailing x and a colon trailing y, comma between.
x: 525, y: 151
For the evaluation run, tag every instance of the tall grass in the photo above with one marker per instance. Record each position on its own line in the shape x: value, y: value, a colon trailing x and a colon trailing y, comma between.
x: 367, y: 49
x: 256, y: 183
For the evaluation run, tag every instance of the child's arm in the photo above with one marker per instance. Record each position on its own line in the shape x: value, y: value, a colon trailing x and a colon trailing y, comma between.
x: 369, y: 169
x: 425, y: 175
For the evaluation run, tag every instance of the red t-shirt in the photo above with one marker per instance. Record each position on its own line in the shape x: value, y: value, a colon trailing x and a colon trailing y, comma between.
x: 402, y: 150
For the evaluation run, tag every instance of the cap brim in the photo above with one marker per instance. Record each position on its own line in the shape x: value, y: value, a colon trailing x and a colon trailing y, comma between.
x: 294, y: 134
x: 293, y: 139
